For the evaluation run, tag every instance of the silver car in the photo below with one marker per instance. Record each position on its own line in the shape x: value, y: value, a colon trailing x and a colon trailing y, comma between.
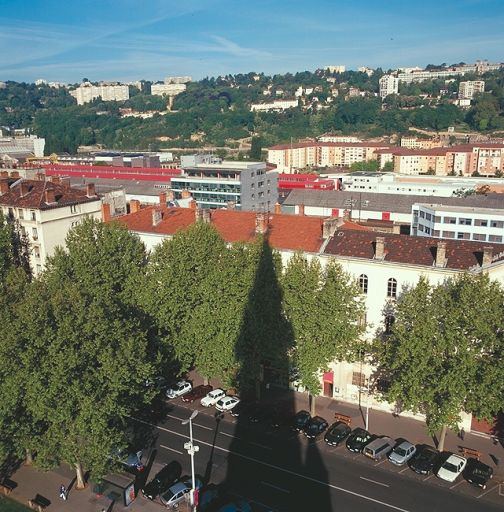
x: 402, y: 453
x: 175, y: 494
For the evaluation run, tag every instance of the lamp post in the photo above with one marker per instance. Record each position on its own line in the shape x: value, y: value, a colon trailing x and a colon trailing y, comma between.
x: 191, y: 450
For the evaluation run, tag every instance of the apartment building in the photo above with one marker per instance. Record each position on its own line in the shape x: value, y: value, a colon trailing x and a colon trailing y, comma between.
x: 389, y: 84
x: 87, y: 92
x: 168, y: 89
x: 289, y: 157
x: 329, y: 137
x: 468, y: 89
x: 336, y: 69
x: 486, y: 159
x: 215, y: 183
x: 275, y: 105
x: 458, y: 222
x: 416, y: 143
x: 21, y: 145
x: 45, y: 212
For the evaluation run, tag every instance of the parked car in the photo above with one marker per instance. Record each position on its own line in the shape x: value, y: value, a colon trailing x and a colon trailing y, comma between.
x: 477, y: 473
x: 357, y: 439
x: 424, y: 460
x: 212, y: 397
x: 337, y: 433
x: 314, y: 427
x: 177, y: 492
x: 379, y: 448
x: 300, y: 419
x: 227, y: 403
x: 402, y: 453
x: 196, y: 393
x: 452, y: 467
x: 130, y: 459
x: 180, y: 388
x: 164, y: 479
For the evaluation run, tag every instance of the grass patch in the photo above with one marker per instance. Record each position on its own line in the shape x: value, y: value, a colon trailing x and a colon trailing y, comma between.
x: 8, y: 505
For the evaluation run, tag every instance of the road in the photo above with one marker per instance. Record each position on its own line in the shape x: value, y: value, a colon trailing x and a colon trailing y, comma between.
x: 283, y: 471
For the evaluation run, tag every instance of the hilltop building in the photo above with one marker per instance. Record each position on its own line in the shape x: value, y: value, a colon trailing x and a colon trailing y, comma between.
x: 389, y: 84
x: 87, y: 92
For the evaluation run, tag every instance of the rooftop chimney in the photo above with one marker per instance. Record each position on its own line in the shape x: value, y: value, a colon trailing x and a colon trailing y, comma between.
x: 329, y: 227
x: 170, y: 195
x: 105, y: 212
x: 207, y: 215
x: 301, y: 209
x: 231, y: 205
x: 278, y: 208
x: 185, y: 194
x: 440, y: 254
x: 487, y: 256
x: 157, y: 216
x: 24, y: 188
x: 162, y: 198
x: 380, y: 248
x: 261, y: 223
x: 4, y: 187
x: 134, y: 206
x: 198, y: 213
x: 50, y: 196
x: 90, y: 190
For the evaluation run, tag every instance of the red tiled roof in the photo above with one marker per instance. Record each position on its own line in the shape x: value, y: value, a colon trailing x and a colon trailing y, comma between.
x: 415, y: 250
x: 35, y: 197
x: 291, y: 232
x: 438, y: 151
x: 298, y: 145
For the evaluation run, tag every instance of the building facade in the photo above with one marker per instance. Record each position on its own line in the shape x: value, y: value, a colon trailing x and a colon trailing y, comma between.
x: 214, y: 183
x: 45, y: 212
x: 275, y: 105
x: 389, y: 84
x: 87, y: 92
x: 458, y: 222
x: 468, y: 89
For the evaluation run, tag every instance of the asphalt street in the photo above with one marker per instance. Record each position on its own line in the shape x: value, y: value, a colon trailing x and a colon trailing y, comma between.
x: 283, y: 471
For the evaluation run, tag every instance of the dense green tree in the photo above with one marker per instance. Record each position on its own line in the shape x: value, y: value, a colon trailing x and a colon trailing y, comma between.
x: 441, y: 358
x: 324, y: 309
x: 256, y: 149
x: 88, y: 349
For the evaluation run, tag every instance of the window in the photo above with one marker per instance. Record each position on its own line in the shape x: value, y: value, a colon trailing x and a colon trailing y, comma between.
x: 34, y: 234
x: 465, y: 222
x: 428, y: 216
x: 21, y: 213
x: 10, y: 214
x: 392, y: 288
x: 496, y: 224
x: 362, y: 322
x: 33, y: 215
x: 389, y: 323
x: 73, y: 208
x: 358, y: 379
x: 448, y: 234
x: 427, y: 230
x: 260, y: 183
x: 39, y: 269
x: 450, y: 220
x: 363, y: 283
x: 481, y: 222
x: 479, y: 236
x: 435, y: 232
x: 463, y: 236
x: 36, y: 252
x: 437, y: 219
x: 422, y: 214
x: 495, y: 238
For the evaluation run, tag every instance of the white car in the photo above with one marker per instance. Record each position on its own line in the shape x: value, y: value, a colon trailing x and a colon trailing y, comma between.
x: 181, y: 388
x: 213, y: 397
x: 452, y: 468
x: 227, y: 403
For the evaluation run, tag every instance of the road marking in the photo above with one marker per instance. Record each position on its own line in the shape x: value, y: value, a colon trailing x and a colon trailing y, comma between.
x: 288, y: 471
x: 276, y: 487
x: 430, y: 476
x: 183, y: 419
x: 171, y: 449
x: 230, y: 435
x: 486, y: 492
x: 202, y: 426
x: 374, y: 481
x: 458, y: 483
x: 175, y: 417
x: 260, y: 445
x: 381, y: 462
x: 403, y: 470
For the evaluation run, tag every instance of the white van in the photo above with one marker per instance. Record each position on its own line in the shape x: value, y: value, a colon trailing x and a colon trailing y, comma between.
x: 379, y: 448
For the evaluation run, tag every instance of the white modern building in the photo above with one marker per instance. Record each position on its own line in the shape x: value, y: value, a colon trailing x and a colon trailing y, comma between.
x: 214, y: 183
x: 168, y: 89
x: 22, y: 145
x: 389, y: 84
x: 45, y: 212
x: 468, y: 89
x: 87, y: 92
x: 275, y: 105
x: 458, y: 222
x: 336, y: 69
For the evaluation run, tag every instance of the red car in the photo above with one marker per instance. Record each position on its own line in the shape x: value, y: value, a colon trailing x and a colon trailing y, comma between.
x: 197, y: 392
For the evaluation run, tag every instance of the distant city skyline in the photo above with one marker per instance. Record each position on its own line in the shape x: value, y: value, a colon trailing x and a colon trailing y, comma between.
x: 126, y: 40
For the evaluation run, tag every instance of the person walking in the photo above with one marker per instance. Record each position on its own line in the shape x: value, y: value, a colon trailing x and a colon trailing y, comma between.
x: 63, y: 492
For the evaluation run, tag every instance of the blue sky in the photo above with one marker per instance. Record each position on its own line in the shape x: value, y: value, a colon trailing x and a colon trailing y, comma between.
x: 67, y: 40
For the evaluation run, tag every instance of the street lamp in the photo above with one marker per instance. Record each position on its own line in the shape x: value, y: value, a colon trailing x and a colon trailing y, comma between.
x: 191, y: 450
